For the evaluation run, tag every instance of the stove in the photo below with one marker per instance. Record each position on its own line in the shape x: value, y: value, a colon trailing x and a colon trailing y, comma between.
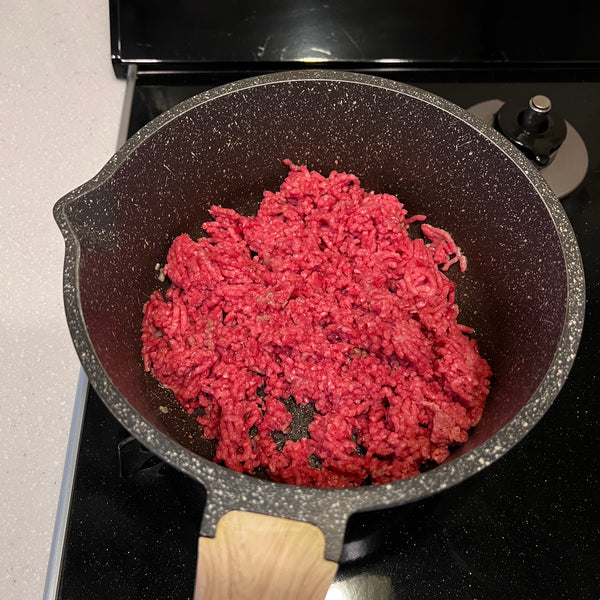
x: 526, y: 526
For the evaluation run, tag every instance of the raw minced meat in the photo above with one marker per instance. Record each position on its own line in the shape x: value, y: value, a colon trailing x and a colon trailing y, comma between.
x: 322, y: 299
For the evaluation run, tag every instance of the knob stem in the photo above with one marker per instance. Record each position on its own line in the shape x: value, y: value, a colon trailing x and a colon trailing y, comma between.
x: 534, y: 119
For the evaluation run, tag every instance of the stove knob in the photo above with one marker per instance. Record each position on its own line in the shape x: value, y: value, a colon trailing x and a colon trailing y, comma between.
x: 534, y: 119
x: 533, y: 127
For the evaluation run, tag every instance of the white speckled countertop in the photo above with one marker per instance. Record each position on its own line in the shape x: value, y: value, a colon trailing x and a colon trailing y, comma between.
x: 60, y: 106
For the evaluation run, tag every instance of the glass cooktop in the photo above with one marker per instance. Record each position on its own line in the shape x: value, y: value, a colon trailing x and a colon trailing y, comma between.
x: 525, y: 527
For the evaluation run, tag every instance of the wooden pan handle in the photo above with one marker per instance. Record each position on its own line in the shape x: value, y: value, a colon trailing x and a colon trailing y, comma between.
x: 258, y: 557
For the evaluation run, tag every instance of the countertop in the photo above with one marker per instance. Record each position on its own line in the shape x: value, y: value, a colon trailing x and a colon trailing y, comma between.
x: 60, y: 106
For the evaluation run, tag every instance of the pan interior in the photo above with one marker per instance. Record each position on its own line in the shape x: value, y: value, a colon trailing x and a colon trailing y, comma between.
x: 228, y: 150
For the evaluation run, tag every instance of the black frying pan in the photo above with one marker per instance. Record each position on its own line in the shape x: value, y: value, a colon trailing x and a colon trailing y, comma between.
x: 523, y: 291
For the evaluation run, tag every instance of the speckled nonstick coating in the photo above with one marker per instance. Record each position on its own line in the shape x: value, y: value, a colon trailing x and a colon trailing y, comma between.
x: 523, y: 291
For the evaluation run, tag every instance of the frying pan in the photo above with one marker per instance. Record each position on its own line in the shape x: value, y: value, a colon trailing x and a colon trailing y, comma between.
x: 523, y: 291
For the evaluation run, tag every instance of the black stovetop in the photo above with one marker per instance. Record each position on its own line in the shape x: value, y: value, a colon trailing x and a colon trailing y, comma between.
x: 525, y: 527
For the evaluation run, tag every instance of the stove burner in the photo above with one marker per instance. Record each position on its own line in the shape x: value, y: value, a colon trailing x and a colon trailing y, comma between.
x: 549, y: 141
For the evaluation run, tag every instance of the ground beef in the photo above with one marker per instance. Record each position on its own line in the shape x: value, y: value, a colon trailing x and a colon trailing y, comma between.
x: 322, y: 299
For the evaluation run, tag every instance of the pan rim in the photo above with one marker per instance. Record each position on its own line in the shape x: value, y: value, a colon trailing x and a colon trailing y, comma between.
x: 337, y: 504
